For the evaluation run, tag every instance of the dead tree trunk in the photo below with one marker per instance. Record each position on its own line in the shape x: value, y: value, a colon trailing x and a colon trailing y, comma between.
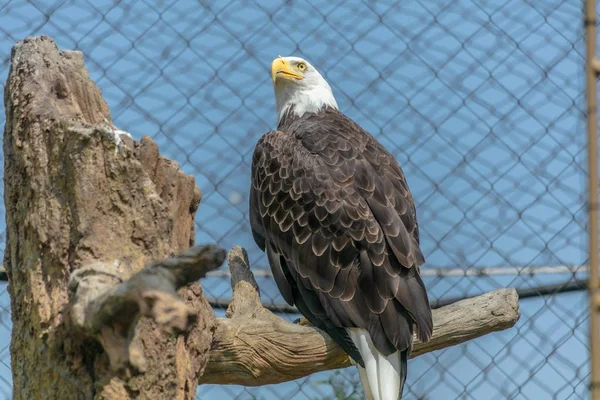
x: 86, y: 210
x: 75, y: 196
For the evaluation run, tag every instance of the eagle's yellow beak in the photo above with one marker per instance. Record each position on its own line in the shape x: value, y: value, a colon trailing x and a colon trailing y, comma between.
x: 282, y: 69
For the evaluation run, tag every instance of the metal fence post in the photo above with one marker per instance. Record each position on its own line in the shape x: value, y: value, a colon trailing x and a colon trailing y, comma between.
x: 591, y: 73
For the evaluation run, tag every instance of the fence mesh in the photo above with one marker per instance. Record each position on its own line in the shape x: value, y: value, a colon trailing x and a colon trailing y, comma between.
x: 482, y: 103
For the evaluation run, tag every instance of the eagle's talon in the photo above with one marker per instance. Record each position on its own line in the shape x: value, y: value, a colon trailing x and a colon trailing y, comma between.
x: 302, y: 321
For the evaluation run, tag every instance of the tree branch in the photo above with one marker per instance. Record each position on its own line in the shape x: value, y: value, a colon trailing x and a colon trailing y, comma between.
x: 108, y: 308
x: 254, y: 347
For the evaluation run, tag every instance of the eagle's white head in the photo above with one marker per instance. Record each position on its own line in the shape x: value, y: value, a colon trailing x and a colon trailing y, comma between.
x: 297, y: 83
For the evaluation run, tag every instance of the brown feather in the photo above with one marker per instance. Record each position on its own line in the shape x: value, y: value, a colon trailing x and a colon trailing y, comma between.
x: 333, y: 204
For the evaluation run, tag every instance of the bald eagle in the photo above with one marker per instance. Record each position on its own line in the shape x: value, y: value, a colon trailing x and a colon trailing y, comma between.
x: 333, y: 212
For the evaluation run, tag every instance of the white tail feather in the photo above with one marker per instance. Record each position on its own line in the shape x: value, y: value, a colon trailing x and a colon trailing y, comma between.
x: 364, y: 380
x: 382, y: 377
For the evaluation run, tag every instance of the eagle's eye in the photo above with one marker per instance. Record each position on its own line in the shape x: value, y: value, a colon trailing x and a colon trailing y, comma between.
x: 301, y: 67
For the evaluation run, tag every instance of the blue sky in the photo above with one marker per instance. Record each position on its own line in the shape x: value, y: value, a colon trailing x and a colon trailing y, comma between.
x: 481, y: 102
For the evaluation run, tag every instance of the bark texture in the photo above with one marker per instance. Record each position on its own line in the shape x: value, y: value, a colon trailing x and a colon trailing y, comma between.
x: 75, y: 197
x: 108, y: 308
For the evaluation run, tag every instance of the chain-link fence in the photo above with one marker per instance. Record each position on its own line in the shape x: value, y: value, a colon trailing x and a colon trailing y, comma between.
x: 482, y: 102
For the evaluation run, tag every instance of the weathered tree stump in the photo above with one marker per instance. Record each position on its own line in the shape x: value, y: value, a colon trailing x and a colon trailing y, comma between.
x: 75, y: 197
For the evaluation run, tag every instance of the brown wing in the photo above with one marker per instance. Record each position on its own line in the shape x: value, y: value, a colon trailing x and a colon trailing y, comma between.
x: 333, y: 212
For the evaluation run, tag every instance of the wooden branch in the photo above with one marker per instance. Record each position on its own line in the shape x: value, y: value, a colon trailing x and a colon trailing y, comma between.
x: 108, y: 308
x: 254, y: 347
